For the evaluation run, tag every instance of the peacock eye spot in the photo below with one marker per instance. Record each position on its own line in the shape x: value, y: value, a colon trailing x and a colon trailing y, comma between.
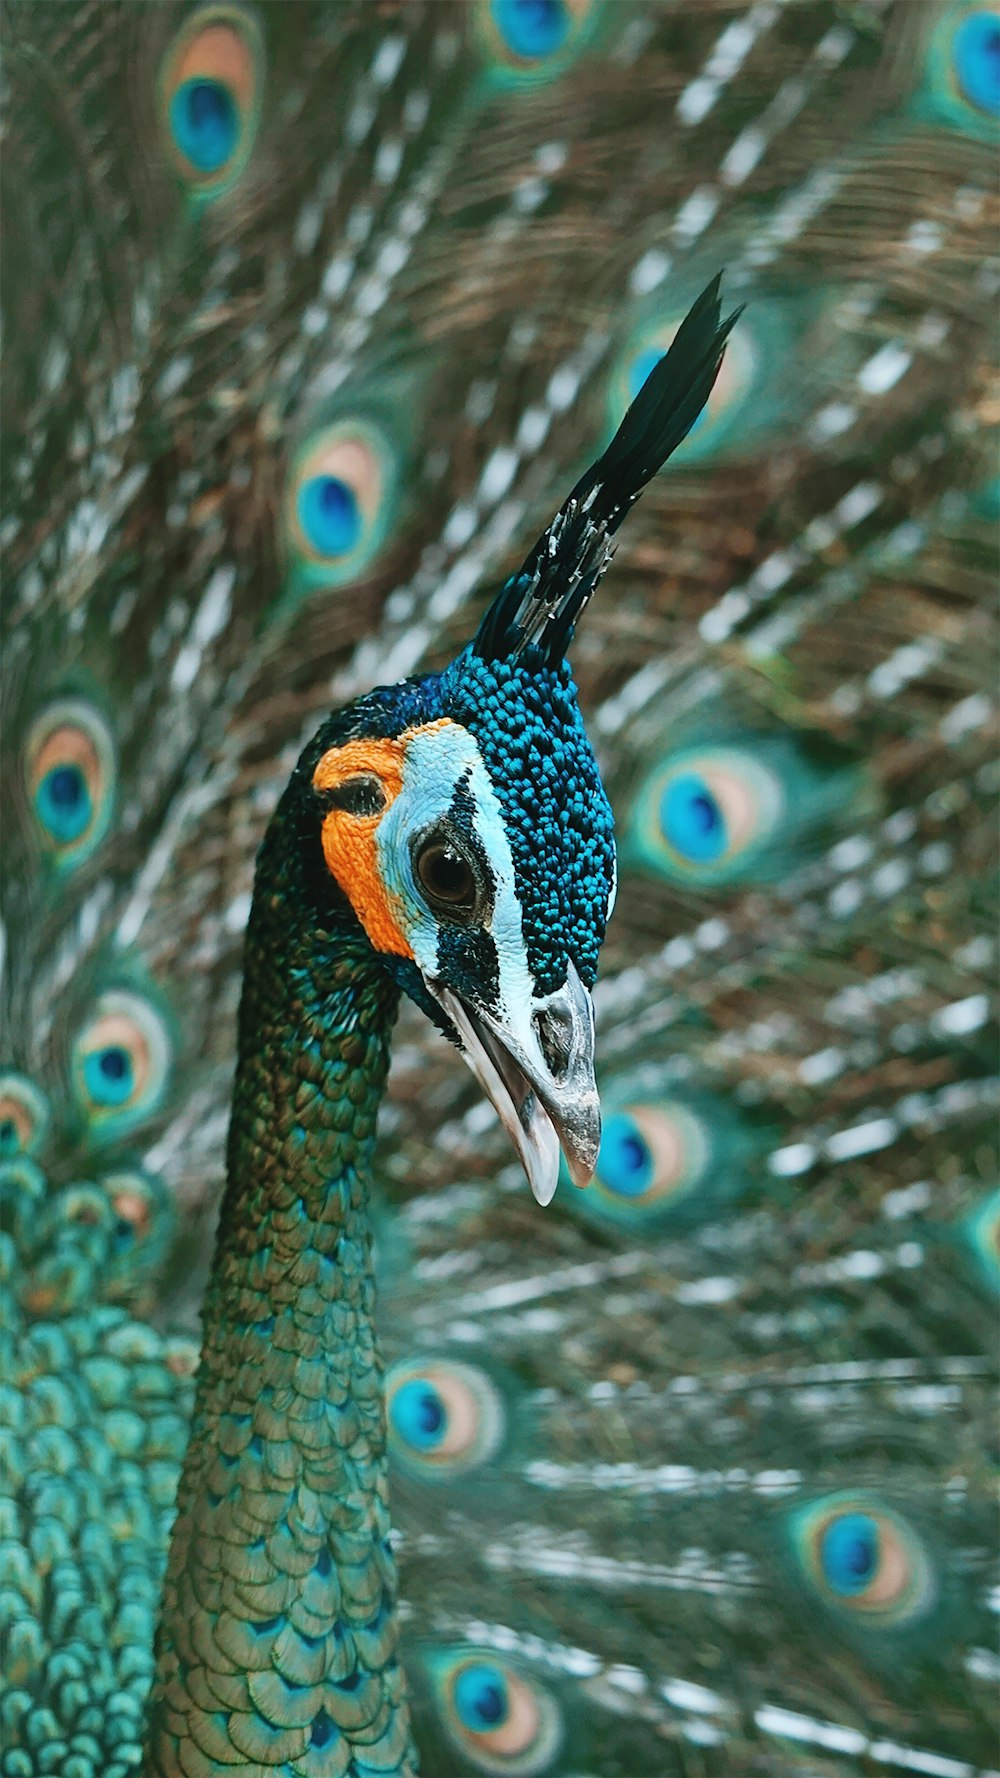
x: 849, y: 1552
x: 209, y: 92
x: 24, y: 1115
x: 692, y: 820
x: 419, y: 1415
x: 66, y: 788
x: 625, y: 1163
x: 329, y: 515
x: 532, y: 29
x: 865, y: 1560
x: 120, y: 1060
x: 70, y: 766
x: 481, y: 1697
x: 977, y: 61
x: 443, y: 1417
x: 446, y: 877
x: 108, y: 1075
x: 496, y: 1714
x: 205, y: 123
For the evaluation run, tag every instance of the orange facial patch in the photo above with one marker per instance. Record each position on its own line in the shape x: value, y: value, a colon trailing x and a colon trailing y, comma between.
x: 349, y: 840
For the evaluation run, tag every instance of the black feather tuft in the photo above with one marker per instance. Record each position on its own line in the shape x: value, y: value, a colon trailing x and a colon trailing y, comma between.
x: 539, y: 606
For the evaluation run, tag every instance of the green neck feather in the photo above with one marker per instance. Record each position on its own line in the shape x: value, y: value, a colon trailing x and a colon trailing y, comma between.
x: 278, y: 1638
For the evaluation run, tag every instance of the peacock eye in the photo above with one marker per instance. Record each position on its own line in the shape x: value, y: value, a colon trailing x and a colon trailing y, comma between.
x: 444, y: 1417
x: 340, y: 500
x: 70, y: 771
x: 719, y: 424
x: 705, y: 814
x: 976, y: 56
x: 121, y: 1058
x: 209, y: 91
x: 495, y: 1713
x: 864, y: 1559
x: 24, y: 1115
x: 532, y: 38
x: 650, y: 1156
x: 446, y: 876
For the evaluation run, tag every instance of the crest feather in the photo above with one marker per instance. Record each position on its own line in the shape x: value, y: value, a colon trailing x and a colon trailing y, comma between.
x: 540, y: 604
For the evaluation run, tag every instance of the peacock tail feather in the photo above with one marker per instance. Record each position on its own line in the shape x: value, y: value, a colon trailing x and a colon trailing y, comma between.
x: 313, y: 313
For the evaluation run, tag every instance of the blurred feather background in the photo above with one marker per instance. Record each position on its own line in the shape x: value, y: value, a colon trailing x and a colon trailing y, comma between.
x: 312, y: 313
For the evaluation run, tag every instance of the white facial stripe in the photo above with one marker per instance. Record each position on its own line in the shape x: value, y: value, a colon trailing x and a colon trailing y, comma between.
x: 505, y: 925
x: 436, y: 762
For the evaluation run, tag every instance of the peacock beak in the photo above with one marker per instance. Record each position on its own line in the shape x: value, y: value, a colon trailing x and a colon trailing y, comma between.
x: 536, y: 1066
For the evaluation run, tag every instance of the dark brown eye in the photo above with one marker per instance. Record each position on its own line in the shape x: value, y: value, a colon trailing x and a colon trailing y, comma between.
x: 446, y: 877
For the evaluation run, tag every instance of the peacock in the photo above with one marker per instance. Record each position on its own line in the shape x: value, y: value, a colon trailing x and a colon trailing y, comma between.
x: 329, y: 1448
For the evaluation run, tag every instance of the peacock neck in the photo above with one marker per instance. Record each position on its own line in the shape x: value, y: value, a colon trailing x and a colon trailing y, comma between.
x: 278, y: 1634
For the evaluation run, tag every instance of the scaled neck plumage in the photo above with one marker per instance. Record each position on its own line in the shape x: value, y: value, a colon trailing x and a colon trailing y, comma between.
x: 278, y: 1632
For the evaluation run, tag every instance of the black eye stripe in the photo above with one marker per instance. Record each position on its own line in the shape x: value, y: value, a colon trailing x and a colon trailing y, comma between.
x: 462, y: 820
x: 362, y: 795
x: 467, y: 959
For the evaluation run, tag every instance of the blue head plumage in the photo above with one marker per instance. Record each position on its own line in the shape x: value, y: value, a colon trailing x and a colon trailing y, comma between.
x: 461, y: 815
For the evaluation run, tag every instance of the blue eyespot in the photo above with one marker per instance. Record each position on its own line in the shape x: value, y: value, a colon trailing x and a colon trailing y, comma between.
x: 120, y: 1061
x: 205, y: 124
x: 443, y: 1417
x: 108, y: 1075
x: 340, y: 501
x: 864, y: 1560
x: 139, y: 1231
x: 709, y: 814
x: 70, y: 771
x: 495, y: 1713
x: 976, y: 52
x: 63, y: 802
x: 692, y: 820
x: 531, y: 40
x: 329, y: 515
x: 642, y: 367
x: 625, y: 1162
x: 210, y: 89
x: 24, y: 1115
x: 419, y: 1414
x: 849, y: 1552
x: 654, y: 1159
x: 481, y: 1697
x: 531, y: 29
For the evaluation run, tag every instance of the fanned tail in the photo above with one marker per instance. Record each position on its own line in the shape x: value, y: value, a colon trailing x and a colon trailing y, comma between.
x: 278, y: 402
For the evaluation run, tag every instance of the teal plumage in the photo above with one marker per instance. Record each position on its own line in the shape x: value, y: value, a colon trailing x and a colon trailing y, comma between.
x: 313, y: 315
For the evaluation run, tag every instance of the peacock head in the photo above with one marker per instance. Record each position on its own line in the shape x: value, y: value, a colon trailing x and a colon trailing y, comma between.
x: 462, y: 814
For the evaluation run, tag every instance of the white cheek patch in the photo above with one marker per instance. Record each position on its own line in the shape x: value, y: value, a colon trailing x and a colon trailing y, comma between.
x: 436, y: 762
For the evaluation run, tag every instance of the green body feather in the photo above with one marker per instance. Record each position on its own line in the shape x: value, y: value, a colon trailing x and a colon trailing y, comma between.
x: 278, y: 1638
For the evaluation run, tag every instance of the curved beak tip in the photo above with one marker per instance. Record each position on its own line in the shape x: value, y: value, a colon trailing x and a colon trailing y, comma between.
x: 544, y: 1092
x: 581, y: 1165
